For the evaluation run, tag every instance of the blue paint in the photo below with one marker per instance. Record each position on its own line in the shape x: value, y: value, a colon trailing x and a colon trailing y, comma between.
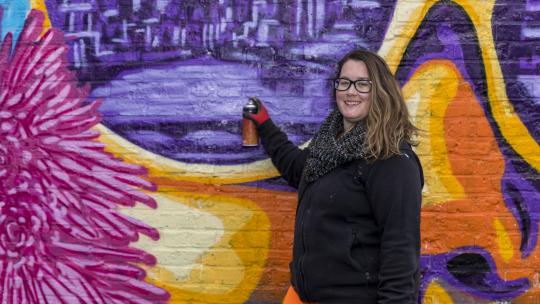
x: 13, y: 16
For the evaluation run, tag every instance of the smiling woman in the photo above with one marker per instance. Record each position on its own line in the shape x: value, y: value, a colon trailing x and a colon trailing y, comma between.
x: 376, y: 100
x: 347, y: 222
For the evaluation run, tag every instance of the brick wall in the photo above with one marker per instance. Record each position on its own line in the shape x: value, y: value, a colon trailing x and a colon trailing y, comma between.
x: 167, y: 206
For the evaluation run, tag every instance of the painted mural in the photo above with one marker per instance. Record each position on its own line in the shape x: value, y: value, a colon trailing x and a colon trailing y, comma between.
x: 63, y: 238
x: 123, y: 175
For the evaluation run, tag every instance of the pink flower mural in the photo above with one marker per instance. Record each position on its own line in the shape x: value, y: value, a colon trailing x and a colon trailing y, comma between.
x: 62, y: 237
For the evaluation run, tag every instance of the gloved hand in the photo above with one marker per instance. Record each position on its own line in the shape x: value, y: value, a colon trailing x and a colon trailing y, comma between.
x: 261, y: 116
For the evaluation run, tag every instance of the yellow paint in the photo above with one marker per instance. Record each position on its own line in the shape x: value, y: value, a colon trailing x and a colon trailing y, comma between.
x: 230, y: 270
x: 404, y: 24
x: 408, y: 15
x: 164, y: 167
x: 513, y: 130
x: 435, y: 294
x: 506, y: 249
x: 430, y: 90
x: 40, y: 5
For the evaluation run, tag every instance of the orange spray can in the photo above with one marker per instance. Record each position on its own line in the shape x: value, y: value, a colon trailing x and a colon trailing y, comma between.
x: 250, y: 138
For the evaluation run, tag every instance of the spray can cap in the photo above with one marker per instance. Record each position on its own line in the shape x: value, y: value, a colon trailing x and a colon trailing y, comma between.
x: 251, y: 106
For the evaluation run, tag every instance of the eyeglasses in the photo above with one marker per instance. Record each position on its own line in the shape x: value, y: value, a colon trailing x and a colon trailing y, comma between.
x: 361, y: 85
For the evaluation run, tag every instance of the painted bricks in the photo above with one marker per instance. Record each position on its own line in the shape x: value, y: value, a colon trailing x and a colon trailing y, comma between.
x: 173, y: 76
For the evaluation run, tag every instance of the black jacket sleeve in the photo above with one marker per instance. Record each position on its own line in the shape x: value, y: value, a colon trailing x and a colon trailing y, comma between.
x: 287, y: 157
x: 394, y: 188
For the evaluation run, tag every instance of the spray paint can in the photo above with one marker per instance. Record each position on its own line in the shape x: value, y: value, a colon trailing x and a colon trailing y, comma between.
x: 250, y: 138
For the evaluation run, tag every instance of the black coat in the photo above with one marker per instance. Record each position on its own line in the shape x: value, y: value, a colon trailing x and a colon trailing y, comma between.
x: 357, y: 229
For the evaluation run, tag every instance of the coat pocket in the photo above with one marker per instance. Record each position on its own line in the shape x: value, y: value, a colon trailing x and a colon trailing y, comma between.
x: 356, y: 252
x: 365, y: 261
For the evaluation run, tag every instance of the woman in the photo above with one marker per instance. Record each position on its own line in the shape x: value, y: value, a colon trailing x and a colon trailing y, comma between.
x: 357, y: 230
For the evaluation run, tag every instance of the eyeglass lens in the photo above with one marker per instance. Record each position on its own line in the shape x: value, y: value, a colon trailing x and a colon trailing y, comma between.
x: 362, y: 86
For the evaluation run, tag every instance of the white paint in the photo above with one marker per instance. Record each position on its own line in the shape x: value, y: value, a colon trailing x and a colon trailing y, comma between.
x: 148, y: 36
x: 90, y: 22
x: 124, y: 30
x: 156, y: 42
x: 97, y: 44
x: 310, y: 14
x: 298, y: 16
x: 532, y: 84
x: 161, y: 4
x: 254, y: 16
x: 71, y: 27
x: 262, y: 33
x: 176, y: 35
x: 234, y: 40
x: 185, y: 232
x: 321, y: 12
x: 364, y: 4
x: 110, y: 13
x: 151, y: 20
x: 228, y: 13
x: 530, y: 32
x: 183, y: 37
x: 76, y: 57
x: 412, y: 105
x: 204, y: 35
x: 211, y: 36
x: 75, y: 7
x: 136, y: 5
x: 83, y: 52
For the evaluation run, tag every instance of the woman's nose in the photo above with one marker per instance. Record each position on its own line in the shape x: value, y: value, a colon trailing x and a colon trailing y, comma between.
x: 351, y: 90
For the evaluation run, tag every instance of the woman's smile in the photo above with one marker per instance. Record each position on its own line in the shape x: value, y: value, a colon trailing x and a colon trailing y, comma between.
x: 352, y: 102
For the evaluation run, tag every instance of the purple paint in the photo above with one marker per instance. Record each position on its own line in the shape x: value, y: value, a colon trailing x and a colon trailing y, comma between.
x: 191, y: 111
x: 192, y: 126
x: 479, y: 279
x: 522, y: 199
x: 104, y: 36
x: 447, y: 33
x: 519, y: 56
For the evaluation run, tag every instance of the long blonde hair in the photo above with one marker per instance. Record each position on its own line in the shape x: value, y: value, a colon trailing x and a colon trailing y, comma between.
x: 388, y: 122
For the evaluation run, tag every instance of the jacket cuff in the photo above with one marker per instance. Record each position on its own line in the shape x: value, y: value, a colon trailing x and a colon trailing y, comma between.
x: 266, y: 128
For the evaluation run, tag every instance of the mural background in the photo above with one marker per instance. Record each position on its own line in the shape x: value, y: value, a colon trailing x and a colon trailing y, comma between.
x: 162, y: 83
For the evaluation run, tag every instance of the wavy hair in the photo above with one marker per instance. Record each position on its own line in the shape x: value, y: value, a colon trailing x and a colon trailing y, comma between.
x: 388, y: 123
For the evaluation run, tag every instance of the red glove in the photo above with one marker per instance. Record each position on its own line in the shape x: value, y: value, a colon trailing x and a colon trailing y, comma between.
x: 261, y: 116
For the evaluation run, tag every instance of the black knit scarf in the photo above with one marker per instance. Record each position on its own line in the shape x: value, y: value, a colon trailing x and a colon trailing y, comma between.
x: 327, y: 151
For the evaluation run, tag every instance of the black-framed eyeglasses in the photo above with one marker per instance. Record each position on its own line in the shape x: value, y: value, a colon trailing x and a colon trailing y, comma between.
x: 361, y: 85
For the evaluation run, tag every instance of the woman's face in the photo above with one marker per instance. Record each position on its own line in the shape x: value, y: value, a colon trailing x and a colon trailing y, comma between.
x: 353, y: 105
